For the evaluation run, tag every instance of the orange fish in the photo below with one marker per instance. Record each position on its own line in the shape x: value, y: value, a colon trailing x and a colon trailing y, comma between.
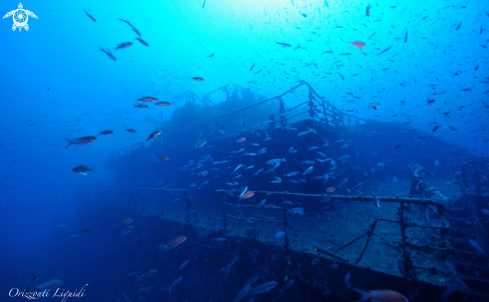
x: 241, y: 140
x: 164, y: 158
x: 368, y: 11
x: 124, y: 222
x: 331, y: 189
x: 177, y: 241
x: 204, y: 173
x: 153, y: 135
x: 383, y: 295
x: 147, y: 275
x: 198, y: 79
x: 247, y: 195
x: 358, y: 44
x: 201, y: 144
x: 373, y: 106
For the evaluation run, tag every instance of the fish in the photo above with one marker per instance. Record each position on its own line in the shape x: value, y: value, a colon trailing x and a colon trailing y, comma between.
x: 344, y: 181
x: 149, y: 99
x: 476, y: 246
x: 228, y: 267
x: 105, y: 132
x: 280, y: 234
x: 263, y: 288
x: 127, y: 230
x: 285, y: 45
x: 132, y: 26
x: 435, y: 128
x: 274, y: 161
x: 242, y: 293
x: 203, y: 4
x: 147, y: 275
x: 358, y: 44
x: 211, y: 55
x: 277, y: 180
x: 175, y: 242
x: 123, y: 222
x: 142, y: 41
x: 308, y: 170
x: 85, y: 230
x: 141, y: 106
x: 93, y: 19
x: 376, y: 200
x: 367, y: 11
x: 174, y: 283
x: 452, y: 127
x: 331, y: 189
x: 458, y: 26
x: 164, y: 158
x: 243, y: 191
x: 287, y: 285
x: 109, y: 53
x: 198, y: 79
x: 183, y: 265
x: 385, y: 50
x: 242, y: 139
x: 153, y: 135
x: 252, y: 66
x: 48, y: 285
x: 247, y: 195
x: 82, y: 140
x: 123, y: 45
x: 239, y: 166
x: 131, y: 130
x: 384, y: 295
x: 35, y: 277
x: 358, y: 187
x: 163, y: 104
x: 81, y: 169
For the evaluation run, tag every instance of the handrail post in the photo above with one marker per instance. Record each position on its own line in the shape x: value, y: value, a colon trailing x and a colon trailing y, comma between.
x: 283, y: 120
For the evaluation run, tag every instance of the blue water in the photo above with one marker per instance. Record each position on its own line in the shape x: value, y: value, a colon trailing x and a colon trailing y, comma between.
x: 56, y: 85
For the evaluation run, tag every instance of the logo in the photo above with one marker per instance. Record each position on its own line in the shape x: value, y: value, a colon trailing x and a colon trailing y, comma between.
x: 20, y: 17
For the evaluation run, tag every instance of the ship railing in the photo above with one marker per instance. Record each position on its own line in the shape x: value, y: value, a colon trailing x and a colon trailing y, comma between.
x: 238, y: 120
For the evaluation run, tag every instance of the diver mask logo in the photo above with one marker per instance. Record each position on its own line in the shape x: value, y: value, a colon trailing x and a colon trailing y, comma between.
x: 20, y: 17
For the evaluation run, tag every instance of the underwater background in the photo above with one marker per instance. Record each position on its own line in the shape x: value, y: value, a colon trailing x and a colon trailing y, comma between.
x: 415, y: 73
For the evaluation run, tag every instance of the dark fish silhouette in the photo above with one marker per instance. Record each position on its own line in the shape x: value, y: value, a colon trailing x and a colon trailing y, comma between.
x: 90, y: 16
x: 132, y: 26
